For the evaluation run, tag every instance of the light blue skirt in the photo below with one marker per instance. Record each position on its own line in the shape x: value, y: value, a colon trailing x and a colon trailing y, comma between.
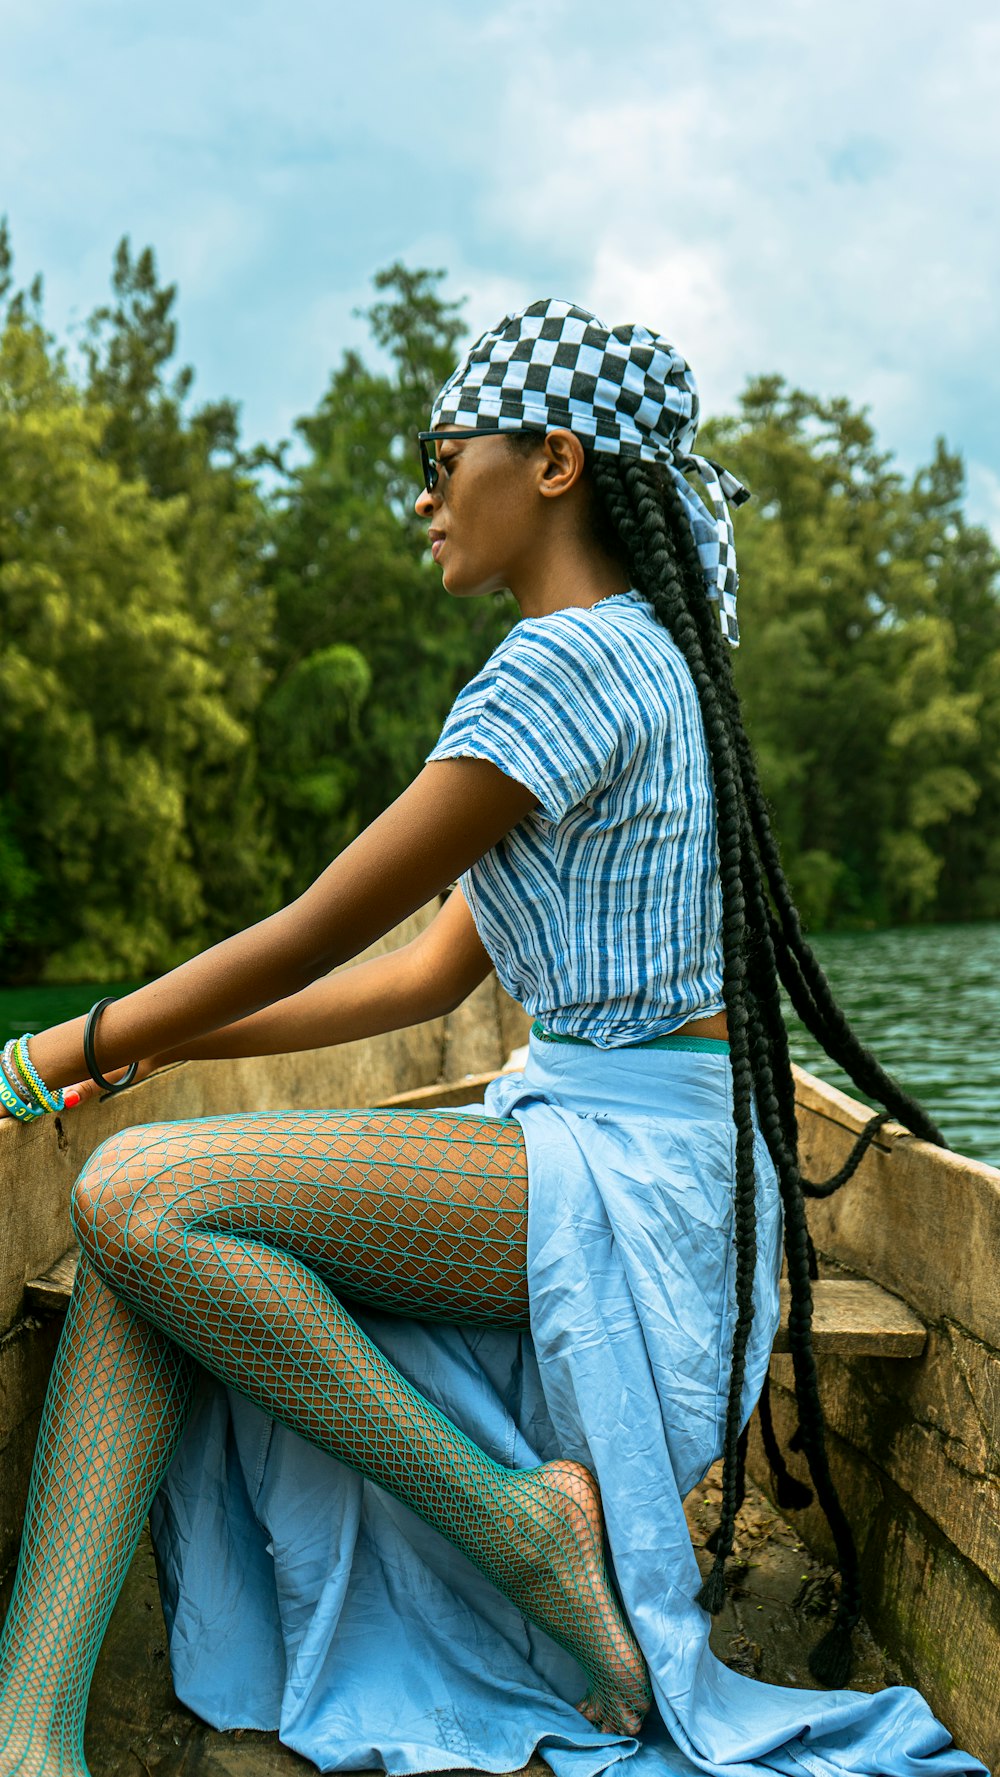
x: 301, y: 1598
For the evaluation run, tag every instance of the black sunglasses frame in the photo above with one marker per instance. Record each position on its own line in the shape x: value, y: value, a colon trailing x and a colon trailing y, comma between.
x: 429, y: 463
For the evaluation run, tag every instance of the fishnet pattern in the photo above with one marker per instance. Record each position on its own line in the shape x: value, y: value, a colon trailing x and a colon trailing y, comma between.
x: 237, y: 1240
x: 117, y: 1401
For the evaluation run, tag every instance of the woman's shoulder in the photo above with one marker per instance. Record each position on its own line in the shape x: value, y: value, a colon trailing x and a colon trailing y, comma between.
x: 583, y: 627
x: 619, y: 637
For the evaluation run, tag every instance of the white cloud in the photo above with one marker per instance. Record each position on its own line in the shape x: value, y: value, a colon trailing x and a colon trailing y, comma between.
x: 210, y: 241
x: 683, y: 293
x: 795, y: 187
x: 792, y: 186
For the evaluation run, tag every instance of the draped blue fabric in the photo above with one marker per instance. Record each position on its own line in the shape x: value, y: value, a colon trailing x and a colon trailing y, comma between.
x: 300, y: 1597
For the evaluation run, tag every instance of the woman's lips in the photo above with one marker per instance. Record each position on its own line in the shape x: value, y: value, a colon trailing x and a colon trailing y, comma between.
x: 436, y: 548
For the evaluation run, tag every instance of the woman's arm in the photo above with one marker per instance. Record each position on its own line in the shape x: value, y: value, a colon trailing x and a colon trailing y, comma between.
x: 452, y: 813
x: 424, y: 979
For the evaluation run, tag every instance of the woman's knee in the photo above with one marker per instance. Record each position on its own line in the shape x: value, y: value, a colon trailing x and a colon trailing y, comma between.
x: 108, y: 1193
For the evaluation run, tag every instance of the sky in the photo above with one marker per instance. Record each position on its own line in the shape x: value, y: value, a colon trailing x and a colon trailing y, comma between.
x: 797, y: 186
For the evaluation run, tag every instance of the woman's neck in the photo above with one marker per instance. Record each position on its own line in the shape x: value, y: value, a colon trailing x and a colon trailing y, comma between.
x: 569, y: 577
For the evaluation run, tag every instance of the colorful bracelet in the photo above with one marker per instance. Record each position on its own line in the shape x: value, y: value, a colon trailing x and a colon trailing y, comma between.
x: 33, y: 1079
x: 12, y: 1102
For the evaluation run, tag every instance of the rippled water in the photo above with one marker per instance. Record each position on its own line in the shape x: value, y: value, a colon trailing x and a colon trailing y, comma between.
x: 926, y: 999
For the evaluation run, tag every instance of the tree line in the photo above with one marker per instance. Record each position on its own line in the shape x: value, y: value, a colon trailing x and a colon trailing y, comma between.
x: 218, y: 662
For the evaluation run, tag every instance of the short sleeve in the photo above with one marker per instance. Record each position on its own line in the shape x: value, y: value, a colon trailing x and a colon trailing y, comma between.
x: 543, y: 709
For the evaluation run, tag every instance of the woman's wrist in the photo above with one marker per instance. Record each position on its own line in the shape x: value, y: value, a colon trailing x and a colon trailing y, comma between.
x: 57, y: 1053
x: 24, y: 1095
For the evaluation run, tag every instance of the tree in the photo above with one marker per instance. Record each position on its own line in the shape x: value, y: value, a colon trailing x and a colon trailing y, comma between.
x: 862, y: 597
x: 359, y: 606
x: 206, y: 691
x: 108, y: 692
x: 216, y: 525
x: 960, y: 563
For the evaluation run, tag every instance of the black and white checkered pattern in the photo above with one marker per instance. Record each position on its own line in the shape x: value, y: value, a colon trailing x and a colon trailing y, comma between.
x: 623, y: 390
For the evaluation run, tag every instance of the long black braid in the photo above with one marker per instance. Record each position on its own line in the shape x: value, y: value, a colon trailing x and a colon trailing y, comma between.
x: 640, y: 518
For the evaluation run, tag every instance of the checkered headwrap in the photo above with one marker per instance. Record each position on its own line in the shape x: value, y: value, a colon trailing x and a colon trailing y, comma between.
x: 622, y: 390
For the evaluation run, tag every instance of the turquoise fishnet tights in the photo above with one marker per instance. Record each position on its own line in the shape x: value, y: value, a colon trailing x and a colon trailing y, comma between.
x: 230, y: 1241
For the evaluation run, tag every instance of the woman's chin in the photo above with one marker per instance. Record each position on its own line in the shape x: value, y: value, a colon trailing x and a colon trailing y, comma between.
x: 468, y: 586
x: 458, y: 587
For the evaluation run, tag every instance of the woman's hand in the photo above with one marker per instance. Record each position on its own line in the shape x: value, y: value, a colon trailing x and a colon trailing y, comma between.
x: 85, y: 1089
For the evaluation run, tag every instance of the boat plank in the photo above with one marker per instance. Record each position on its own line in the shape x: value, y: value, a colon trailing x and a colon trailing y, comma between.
x: 52, y: 1291
x: 856, y: 1316
x: 470, y: 1090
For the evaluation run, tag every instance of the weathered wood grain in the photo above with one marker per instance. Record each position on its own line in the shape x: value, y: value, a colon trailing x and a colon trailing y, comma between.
x: 921, y: 1221
x: 53, y: 1289
x: 936, y: 1614
x: 914, y: 1447
x: 471, y: 1090
x: 931, y: 1426
x: 855, y: 1315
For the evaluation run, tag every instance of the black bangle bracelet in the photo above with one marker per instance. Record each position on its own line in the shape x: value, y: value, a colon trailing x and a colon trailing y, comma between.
x: 90, y: 1058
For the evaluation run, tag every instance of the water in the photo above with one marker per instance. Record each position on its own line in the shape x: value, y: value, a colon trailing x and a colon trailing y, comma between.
x: 36, y: 1008
x: 926, y: 999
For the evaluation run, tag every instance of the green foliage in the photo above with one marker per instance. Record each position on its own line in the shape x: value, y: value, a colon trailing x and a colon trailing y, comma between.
x: 105, y: 688
x: 206, y: 486
x: 310, y: 756
x: 349, y: 569
x: 216, y: 669
x: 869, y: 665
x: 132, y: 628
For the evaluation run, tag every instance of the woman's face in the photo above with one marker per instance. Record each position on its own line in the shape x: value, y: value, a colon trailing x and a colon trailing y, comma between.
x: 483, y: 513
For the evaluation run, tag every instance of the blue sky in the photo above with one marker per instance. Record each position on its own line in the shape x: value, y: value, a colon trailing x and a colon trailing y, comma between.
x: 796, y: 186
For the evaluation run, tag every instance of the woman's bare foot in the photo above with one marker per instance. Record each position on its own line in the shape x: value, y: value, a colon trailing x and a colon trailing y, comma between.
x: 554, y: 1571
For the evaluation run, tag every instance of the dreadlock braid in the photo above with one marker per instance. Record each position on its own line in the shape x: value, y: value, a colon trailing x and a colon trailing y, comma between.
x: 638, y: 509
x: 791, y: 1493
x: 798, y: 967
x: 647, y: 536
x: 772, y: 1061
x: 830, y: 1661
x: 806, y: 983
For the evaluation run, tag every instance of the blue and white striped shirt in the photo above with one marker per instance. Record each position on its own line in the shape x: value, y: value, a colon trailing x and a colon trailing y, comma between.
x: 602, y: 908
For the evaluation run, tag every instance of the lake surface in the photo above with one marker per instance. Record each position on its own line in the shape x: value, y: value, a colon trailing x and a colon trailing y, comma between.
x: 925, y: 999
x: 36, y: 1008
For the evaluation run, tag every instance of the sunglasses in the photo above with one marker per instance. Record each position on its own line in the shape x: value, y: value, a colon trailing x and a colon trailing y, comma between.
x: 429, y: 462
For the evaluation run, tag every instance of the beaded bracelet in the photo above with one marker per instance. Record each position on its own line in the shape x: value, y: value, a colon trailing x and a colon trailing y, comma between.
x: 12, y: 1102
x: 7, y: 1068
x: 33, y: 1079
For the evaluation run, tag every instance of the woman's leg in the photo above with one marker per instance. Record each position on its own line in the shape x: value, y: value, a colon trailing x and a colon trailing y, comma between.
x: 196, y: 1226
x: 117, y: 1401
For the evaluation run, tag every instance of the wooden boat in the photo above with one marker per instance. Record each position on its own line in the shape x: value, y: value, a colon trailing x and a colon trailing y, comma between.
x: 907, y: 1334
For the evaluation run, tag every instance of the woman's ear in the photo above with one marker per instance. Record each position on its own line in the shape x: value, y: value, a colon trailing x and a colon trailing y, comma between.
x: 563, y: 462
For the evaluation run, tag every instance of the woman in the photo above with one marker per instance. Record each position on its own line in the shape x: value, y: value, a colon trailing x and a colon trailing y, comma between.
x: 594, y: 791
